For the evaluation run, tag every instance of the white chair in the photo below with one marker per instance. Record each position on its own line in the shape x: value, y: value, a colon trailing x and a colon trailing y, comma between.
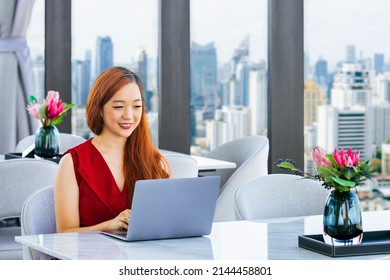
x: 18, y: 179
x: 38, y: 217
x: 251, y: 157
x: 182, y: 165
x: 279, y: 196
x: 67, y: 141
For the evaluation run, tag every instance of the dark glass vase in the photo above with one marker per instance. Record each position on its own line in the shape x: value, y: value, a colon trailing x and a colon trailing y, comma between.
x: 47, y: 140
x: 342, y: 219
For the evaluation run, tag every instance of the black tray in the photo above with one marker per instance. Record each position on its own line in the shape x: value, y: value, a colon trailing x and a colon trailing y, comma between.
x: 373, y: 242
x: 19, y: 155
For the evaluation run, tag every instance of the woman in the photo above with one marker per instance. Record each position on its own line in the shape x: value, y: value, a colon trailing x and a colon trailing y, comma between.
x: 95, y: 181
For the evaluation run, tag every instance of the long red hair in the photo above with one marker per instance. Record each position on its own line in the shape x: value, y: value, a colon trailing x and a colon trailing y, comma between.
x: 142, y: 160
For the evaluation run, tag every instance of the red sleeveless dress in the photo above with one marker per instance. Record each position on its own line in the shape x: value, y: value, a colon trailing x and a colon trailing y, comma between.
x: 100, y: 198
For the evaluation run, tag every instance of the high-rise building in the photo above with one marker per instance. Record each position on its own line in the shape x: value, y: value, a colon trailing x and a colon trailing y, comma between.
x: 258, y: 99
x: 313, y: 96
x: 383, y: 87
x: 81, y: 80
x: 104, y: 54
x: 379, y: 62
x: 386, y: 158
x: 204, y: 77
x: 238, y: 75
x: 39, y: 77
x: 321, y: 72
x: 379, y: 117
x: 230, y: 123
x: 142, y: 67
x: 350, y: 54
x: 351, y: 86
x: 241, y: 91
x: 344, y: 128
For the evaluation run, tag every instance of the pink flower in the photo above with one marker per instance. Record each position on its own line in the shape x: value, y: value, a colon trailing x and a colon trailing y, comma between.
x: 319, y: 157
x: 33, y: 109
x: 51, y: 94
x: 54, y: 108
x: 50, y: 111
x: 346, y: 159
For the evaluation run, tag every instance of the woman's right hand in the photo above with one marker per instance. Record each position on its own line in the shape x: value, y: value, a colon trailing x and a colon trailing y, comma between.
x: 121, y: 221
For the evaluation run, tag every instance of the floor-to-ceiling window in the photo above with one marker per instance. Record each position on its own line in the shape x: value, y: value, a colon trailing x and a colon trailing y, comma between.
x: 36, y: 42
x: 347, y: 86
x: 117, y: 32
x: 228, y: 71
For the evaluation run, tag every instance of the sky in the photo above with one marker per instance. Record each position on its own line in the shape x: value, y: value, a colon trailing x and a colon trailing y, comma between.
x: 330, y: 25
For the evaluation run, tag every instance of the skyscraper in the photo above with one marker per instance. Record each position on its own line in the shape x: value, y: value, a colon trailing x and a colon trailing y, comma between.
x: 258, y: 99
x: 379, y: 123
x: 204, y: 77
x: 104, y: 54
x: 321, y: 72
x: 231, y: 122
x: 350, y: 54
x: 39, y: 77
x: 142, y: 67
x: 379, y: 62
x: 351, y: 86
x: 344, y: 128
x: 238, y: 75
x: 81, y: 79
x: 313, y: 96
x: 383, y: 87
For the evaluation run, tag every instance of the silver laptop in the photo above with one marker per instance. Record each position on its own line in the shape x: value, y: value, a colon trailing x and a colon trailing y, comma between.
x: 171, y: 208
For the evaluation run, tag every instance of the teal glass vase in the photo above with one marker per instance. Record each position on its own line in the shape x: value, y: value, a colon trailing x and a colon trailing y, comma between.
x: 342, y: 219
x: 47, y: 140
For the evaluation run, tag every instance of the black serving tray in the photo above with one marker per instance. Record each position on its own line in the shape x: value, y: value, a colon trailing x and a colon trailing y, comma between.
x: 19, y: 155
x: 373, y: 242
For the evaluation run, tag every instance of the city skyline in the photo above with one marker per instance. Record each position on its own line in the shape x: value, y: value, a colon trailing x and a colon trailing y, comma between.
x: 329, y: 27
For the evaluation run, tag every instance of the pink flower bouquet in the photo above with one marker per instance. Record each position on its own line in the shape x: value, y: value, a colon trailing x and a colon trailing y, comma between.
x: 340, y: 170
x: 50, y: 111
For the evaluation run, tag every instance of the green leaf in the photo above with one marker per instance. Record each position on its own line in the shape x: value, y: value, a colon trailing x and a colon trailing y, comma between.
x: 67, y: 107
x: 343, y: 182
x: 287, y: 165
x: 32, y: 99
x: 350, y: 172
x: 332, y: 160
x: 327, y: 171
x: 42, y: 111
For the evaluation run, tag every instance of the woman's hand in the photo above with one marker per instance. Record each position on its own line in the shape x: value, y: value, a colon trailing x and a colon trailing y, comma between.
x: 121, y: 221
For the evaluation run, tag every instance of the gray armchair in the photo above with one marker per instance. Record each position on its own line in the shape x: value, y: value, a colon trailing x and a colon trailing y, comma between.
x: 182, y: 165
x: 18, y: 179
x: 251, y: 157
x: 279, y: 196
x: 38, y: 217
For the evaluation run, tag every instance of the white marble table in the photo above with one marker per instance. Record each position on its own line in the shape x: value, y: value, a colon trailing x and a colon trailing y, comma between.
x: 275, y: 239
x: 209, y: 164
x: 205, y: 163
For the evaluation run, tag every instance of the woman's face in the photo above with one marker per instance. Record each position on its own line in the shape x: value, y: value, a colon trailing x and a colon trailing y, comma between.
x: 122, y: 113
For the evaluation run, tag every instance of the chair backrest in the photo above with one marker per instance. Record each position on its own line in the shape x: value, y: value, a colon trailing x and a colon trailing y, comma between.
x: 67, y: 141
x: 182, y: 165
x: 38, y: 217
x: 279, y: 196
x: 251, y: 157
x: 19, y: 178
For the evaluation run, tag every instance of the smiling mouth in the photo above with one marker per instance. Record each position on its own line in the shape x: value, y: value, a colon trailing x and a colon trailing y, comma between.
x: 125, y: 125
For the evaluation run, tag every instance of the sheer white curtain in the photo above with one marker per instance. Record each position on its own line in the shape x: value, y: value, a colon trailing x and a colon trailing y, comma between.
x: 16, y: 77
